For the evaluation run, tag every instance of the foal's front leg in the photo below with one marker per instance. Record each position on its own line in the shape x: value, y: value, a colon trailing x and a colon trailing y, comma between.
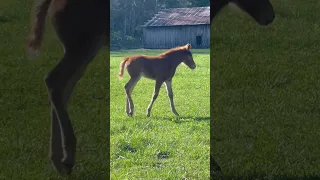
x: 170, y: 95
x: 155, y: 95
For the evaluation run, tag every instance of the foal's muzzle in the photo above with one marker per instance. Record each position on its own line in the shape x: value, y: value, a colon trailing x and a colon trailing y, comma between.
x: 193, y: 66
x: 267, y: 21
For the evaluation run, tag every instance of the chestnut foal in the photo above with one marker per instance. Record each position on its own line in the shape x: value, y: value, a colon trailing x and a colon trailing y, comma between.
x: 160, y: 68
x: 262, y: 12
x: 82, y: 27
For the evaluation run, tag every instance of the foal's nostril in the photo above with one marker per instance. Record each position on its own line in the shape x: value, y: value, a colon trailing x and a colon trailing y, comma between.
x: 270, y: 20
x: 267, y: 21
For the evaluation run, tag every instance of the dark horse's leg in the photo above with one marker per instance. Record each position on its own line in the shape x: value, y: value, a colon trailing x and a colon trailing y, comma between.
x: 60, y: 83
x: 155, y: 95
x: 80, y: 49
x: 214, y: 167
x: 170, y: 95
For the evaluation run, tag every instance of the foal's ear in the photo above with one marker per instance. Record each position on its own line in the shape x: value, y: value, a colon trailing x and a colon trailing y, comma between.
x: 188, y: 46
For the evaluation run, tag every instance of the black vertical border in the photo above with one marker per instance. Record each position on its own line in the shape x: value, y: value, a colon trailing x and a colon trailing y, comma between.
x: 108, y: 89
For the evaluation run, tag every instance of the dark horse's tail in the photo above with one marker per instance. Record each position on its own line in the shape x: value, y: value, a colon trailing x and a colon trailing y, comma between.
x: 38, y: 19
x: 122, y: 64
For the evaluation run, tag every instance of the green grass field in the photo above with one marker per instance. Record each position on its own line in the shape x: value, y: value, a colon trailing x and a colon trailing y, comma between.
x: 266, y: 103
x: 24, y: 105
x: 161, y: 146
x: 266, y: 93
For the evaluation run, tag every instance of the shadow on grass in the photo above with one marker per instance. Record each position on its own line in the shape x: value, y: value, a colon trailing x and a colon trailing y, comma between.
x: 93, y: 175
x: 87, y: 175
x: 77, y: 174
x: 258, y: 176
x: 182, y: 119
x: 7, y: 18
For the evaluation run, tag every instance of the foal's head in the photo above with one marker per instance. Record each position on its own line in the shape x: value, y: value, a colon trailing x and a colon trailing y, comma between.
x: 187, y: 56
x: 260, y: 10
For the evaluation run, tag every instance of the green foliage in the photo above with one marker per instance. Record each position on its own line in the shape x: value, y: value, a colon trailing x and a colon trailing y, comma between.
x: 119, y: 42
x: 127, y: 17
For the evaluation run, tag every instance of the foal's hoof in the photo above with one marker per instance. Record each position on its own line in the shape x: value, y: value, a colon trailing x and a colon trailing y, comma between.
x: 130, y: 114
x: 67, y: 168
x: 62, y: 168
x: 217, y: 175
x: 57, y: 166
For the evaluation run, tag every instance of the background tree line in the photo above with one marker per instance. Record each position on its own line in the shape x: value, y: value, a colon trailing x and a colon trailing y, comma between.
x: 127, y: 17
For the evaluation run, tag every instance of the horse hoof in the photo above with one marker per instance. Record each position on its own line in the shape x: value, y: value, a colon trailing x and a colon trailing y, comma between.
x: 148, y: 115
x: 57, y: 166
x: 67, y: 168
x: 62, y: 168
x: 217, y: 174
x: 130, y: 114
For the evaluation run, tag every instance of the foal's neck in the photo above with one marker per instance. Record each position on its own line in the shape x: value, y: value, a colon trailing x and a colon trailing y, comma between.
x: 175, y: 57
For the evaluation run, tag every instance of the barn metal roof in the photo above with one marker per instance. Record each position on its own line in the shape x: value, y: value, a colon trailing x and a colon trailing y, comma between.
x: 180, y: 17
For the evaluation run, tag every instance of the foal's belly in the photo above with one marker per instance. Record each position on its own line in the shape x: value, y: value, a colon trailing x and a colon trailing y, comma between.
x: 148, y: 74
x: 154, y: 70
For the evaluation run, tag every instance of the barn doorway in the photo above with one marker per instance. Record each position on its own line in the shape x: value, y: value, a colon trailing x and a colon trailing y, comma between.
x: 199, y: 40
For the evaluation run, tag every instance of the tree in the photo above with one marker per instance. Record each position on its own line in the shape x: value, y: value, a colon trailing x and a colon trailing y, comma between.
x: 127, y: 17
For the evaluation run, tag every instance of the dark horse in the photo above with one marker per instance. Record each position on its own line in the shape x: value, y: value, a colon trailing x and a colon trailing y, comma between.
x: 160, y: 68
x: 262, y: 12
x: 82, y: 27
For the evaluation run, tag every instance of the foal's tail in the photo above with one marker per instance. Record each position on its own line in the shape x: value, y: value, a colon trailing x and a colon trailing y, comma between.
x: 38, y: 20
x: 122, y: 64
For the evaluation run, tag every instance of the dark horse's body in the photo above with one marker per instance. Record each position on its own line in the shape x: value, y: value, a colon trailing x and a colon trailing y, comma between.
x: 262, y: 12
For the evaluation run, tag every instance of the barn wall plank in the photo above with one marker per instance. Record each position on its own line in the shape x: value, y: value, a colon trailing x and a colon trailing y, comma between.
x: 164, y: 37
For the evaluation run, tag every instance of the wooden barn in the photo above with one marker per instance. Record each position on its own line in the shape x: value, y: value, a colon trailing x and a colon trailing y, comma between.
x: 178, y: 26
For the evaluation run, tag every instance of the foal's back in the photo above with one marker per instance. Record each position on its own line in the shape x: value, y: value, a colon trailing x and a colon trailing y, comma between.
x: 149, y: 66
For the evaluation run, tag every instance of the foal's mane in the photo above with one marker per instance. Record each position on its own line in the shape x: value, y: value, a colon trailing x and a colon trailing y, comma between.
x: 172, y: 50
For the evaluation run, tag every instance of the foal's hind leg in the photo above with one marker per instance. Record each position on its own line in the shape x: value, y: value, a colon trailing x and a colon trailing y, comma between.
x: 127, y: 105
x: 155, y: 95
x: 170, y: 95
x: 129, y: 88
